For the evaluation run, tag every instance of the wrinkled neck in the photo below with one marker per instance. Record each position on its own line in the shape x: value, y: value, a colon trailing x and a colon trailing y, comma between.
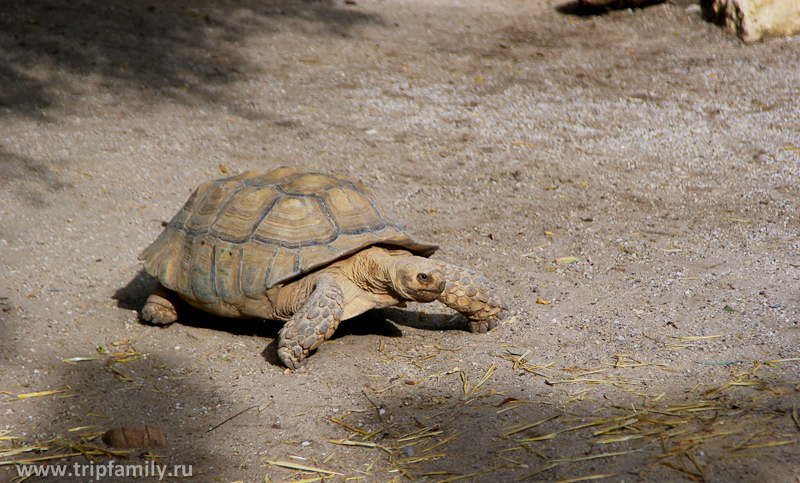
x: 375, y: 269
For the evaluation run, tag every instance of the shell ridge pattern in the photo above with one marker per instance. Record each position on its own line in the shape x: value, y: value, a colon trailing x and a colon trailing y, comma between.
x: 330, y: 218
x: 184, y: 270
x: 375, y: 207
x: 356, y: 217
x: 367, y: 229
x: 193, y: 232
x: 182, y: 226
x: 381, y: 214
x: 213, y: 273
x: 269, y: 270
x: 223, y: 207
x: 188, y: 237
x: 252, y: 236
x: 240, y: 272
x: 296, y: 243
x: 279, y: 243
x: 298, y: 262
x: 381, y: 226
x: 211, y: 276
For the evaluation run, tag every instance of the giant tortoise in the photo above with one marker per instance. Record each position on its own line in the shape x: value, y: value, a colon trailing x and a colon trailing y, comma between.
x: 308, y: 248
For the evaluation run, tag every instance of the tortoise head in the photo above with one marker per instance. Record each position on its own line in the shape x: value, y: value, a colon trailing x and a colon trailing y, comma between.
x: 415, y: 278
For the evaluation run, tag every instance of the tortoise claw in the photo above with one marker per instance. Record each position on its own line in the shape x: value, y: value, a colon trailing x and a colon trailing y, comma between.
x: 478, y: 326
x: 483, y: 326
x: 290, y: 357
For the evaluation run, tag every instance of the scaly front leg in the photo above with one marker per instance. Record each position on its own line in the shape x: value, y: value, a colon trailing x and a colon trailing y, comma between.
x: 471, y: 295
x: 314, y: 323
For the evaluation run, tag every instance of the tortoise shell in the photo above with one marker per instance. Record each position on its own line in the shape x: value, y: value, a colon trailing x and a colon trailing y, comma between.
x: 248, y: 233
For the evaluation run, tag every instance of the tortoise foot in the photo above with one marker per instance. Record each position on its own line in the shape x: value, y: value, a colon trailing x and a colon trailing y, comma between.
x: 472, y: 296
x: 482, y: 326
x: 159, y: 310
x: 292, y: 357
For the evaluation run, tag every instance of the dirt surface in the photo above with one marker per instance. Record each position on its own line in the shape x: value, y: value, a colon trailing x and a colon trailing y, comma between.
x: 659, y: 152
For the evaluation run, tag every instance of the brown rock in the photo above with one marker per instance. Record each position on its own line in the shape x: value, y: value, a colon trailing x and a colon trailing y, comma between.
x: 135, y: 437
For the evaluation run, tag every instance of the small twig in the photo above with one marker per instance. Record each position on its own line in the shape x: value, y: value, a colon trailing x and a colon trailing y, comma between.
x: 377, y: 408
x: 234, y: 416
x: 293, y: 466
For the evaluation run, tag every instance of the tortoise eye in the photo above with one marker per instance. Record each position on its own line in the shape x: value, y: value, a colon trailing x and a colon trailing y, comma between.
x: 423, y: 277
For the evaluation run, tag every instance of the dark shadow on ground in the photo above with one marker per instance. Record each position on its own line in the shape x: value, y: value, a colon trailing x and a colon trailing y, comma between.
x: 29, y: 179
x: 175, y: 48
x: 152, y: 390
x: 133, y: 296
x: 425, y: 321
x: 525, y: 430
x: 382, y: 322
x: 119, y: 387
x: 9, y: 319
x: 578, y: 9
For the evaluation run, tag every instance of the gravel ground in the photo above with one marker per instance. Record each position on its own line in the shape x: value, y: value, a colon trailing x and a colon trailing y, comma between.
x: 660, y: 153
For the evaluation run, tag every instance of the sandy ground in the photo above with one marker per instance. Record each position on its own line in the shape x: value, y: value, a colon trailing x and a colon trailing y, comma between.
x: 659, y: 152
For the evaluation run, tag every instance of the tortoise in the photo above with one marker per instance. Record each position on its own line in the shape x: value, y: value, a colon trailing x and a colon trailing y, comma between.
x: 307, y: 248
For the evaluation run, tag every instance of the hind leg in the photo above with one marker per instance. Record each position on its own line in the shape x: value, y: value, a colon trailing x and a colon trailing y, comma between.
x: 159, y: 309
